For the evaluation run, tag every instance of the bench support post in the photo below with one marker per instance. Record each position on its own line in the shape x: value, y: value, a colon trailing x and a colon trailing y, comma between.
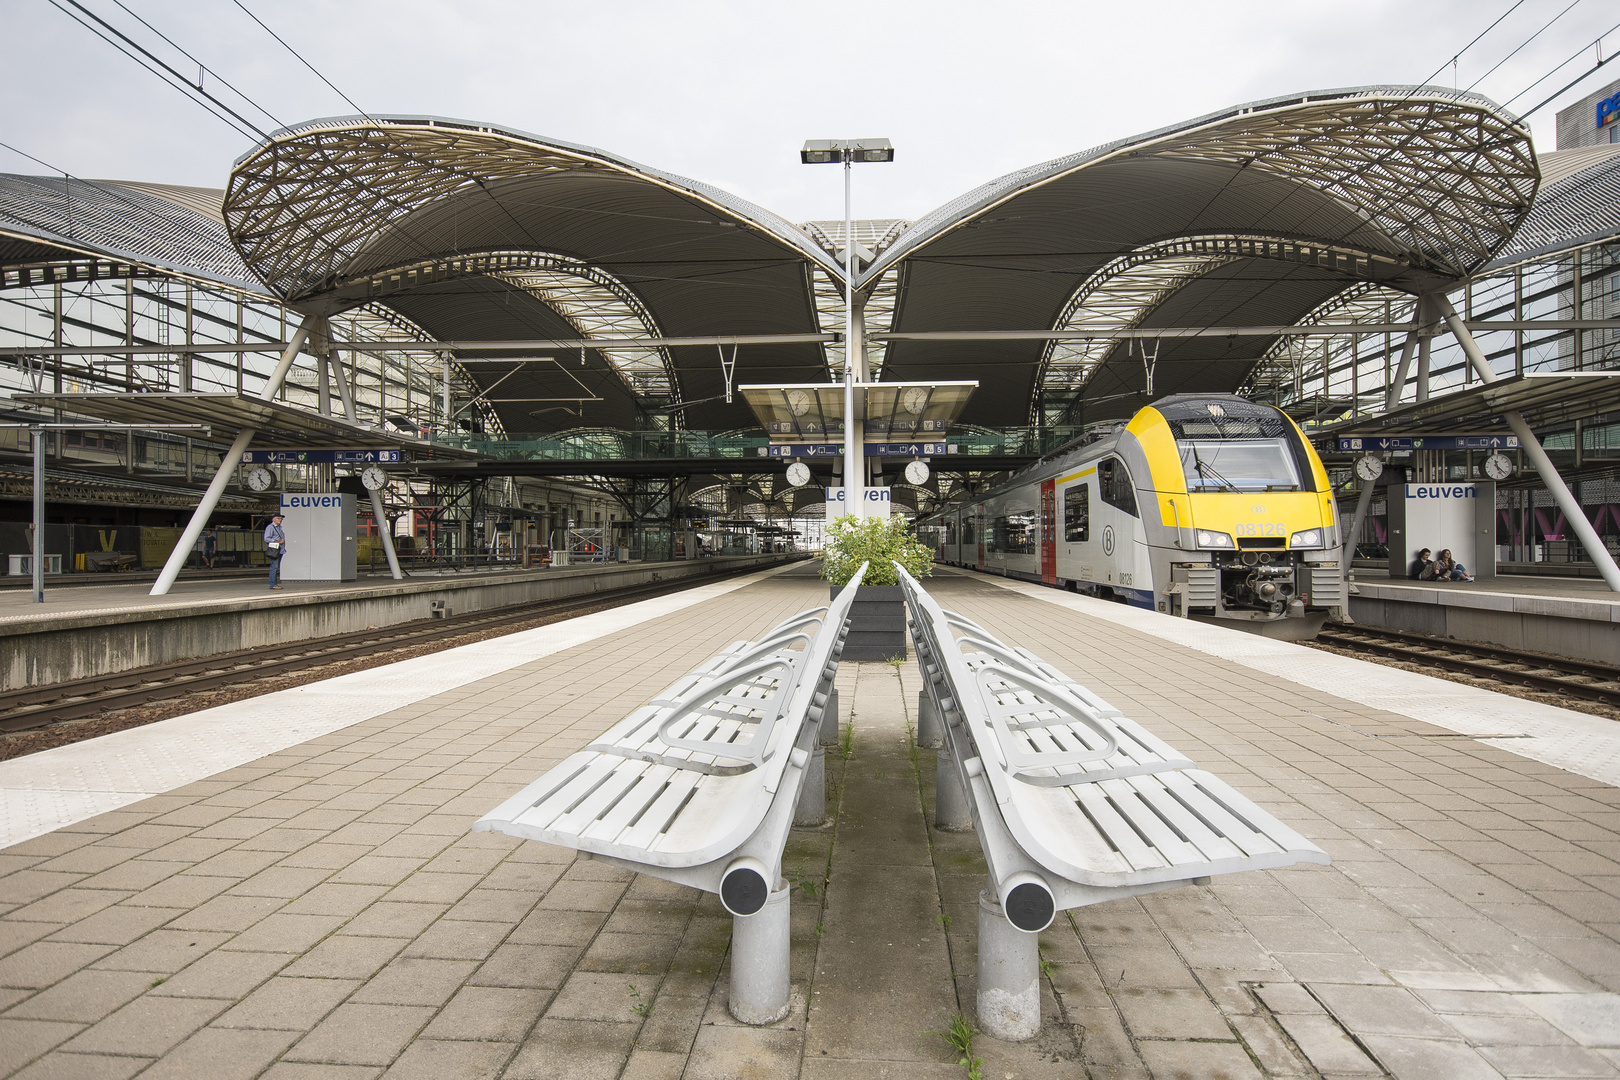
x: 927, y: 722
x: 1009, y: 1003
x: 951, y: 810
x: 828, y: 735
x: 811, y: 809
x: 759, y: 961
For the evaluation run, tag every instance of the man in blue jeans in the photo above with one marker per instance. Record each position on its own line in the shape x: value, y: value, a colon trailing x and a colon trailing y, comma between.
x: 275, y: 544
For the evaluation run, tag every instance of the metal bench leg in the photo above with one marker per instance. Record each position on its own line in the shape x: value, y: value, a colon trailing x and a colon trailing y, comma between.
x: 759, y: 961
x: 927, y: 722
x: 951, y: 810
x: 1009, y: 1001
x: 828, y: 735
x: 811, y: 809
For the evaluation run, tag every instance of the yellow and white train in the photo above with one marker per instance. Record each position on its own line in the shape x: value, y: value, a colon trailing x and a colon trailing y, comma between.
x: 1203, y: 505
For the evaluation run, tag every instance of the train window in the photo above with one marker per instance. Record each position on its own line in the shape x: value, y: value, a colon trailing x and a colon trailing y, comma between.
x: 1213, y: 465
x: 1077, y: 514
x: 969, y: 533
x: 1114, y: 485
x: 950, y: 532
x: 1013, y: 533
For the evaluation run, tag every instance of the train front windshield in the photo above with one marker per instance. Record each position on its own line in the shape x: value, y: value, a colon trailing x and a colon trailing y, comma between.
x: 1228, y: 465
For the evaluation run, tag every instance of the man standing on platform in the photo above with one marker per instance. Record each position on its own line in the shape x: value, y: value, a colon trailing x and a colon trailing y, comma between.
x: 275, y: 544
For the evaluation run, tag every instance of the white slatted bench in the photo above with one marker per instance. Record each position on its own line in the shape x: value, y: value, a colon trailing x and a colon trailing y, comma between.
x: 701, y: 785
x: 1073, y: 802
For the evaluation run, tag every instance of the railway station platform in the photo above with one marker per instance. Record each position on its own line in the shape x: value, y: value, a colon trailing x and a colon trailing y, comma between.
x: 1566, y: 616
x: 286, y: 887
x: 106, y: 628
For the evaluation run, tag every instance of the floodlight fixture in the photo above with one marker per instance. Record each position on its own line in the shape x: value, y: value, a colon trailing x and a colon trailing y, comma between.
x: 837, y: 151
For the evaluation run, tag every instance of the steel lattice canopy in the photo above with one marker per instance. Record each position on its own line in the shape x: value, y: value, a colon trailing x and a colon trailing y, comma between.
x: 275, y: 425
x: 1256, y: 215
x: 890, y: 410
x: 1546, y: 398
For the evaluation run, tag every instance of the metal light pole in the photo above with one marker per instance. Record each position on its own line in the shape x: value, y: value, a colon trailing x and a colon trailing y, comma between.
x: 849, y: 151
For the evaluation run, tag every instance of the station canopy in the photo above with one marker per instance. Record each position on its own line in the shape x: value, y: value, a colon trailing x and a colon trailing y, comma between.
x: 1258, y: 215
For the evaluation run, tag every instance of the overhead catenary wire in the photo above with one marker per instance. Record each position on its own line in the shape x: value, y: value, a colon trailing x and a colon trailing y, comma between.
x: 236, y: 117
x: 201, y: 67
x: 1544, y: 28
x: 301, y: 60
x: 1559, y: 67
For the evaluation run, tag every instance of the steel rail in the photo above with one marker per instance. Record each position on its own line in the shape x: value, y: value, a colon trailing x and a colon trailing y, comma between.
x: 35, y: 707
x: 1485, y: 661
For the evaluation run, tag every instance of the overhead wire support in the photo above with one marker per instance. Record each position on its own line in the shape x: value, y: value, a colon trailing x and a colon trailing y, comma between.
x: 238, y: 117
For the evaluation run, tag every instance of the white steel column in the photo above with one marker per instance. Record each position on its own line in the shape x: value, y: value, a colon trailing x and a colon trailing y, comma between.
x: 37, y: 435
x: 854, y: 443
x: 347, y: 394
x: 227, y: 464
x: 1347, y: 551
x: 1532, y: 448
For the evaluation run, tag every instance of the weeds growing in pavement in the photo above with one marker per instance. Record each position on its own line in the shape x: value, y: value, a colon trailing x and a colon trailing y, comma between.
x: 958, y: 1035
x: 641, y: 1008
x: 896, y: 662
x: 847, y: 744
x: 806, y: 885
x: 1046, y: 967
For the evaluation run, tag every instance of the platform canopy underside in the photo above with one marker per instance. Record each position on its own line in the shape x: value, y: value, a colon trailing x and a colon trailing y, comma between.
x: 1259, y: 215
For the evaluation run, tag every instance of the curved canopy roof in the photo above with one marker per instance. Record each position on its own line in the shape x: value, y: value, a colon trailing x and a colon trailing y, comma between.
x: 475, y: 231
x: 175, y: 229
x: 1258, y: 215
x: 1253, y: 216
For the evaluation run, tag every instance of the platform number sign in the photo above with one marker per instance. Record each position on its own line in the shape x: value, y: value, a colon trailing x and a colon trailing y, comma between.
x: 1108, y: 539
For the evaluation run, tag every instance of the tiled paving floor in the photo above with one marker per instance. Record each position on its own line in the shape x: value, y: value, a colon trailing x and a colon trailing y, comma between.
x: 323, y: 911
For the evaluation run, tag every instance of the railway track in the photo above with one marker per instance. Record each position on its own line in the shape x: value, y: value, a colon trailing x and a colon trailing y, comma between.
x: 37, y: 707
x: 1576, y: 678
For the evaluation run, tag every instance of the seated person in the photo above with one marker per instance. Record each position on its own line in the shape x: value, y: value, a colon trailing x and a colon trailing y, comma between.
x: 1449, y: 569
x: 1419, y: 564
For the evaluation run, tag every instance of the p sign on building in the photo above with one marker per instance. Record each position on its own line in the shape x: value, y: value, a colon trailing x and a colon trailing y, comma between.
x: 878, y: 503
x: 1459, y: 515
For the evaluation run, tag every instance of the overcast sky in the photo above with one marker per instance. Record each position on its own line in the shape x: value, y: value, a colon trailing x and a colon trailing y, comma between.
x: 727, y: 91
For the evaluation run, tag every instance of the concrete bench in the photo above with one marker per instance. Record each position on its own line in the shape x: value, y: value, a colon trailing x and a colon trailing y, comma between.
x: 1073, y: 802
x: 701, y: 785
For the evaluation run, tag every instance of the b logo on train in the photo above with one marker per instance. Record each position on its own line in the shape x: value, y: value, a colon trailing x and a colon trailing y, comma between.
x: 1202, y: 505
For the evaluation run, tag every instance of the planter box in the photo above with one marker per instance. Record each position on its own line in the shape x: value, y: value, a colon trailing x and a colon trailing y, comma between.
x: 877, y: 623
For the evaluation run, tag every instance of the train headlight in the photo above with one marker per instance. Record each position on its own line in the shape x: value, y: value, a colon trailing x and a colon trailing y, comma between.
x: 1309, y: 538
x: 1207, y: 539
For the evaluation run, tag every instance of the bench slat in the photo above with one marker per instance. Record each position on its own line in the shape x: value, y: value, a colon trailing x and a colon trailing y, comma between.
x: 1205, y: 842
x: 633, y: 803
x: 643, y: 834
x: 1118, y: 833
x: 1136, y: 808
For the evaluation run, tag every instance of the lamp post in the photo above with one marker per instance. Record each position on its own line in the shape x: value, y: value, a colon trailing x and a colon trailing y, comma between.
x: 849, y: 151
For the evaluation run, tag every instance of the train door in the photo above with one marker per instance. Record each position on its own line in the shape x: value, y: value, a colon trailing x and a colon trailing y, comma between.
x: 979, y: 524
x: 1048, y: 532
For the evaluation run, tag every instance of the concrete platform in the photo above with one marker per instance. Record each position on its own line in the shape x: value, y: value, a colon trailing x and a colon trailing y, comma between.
x: 1567, y: 616
x: 293, y: 892
x: 97, y: 629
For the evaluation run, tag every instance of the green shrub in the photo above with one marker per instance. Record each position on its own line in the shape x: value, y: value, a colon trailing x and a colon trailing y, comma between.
x: 880, y: 541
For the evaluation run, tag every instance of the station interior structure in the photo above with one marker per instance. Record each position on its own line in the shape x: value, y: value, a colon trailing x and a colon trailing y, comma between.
x: 498, y: 356
x: 554, y: 337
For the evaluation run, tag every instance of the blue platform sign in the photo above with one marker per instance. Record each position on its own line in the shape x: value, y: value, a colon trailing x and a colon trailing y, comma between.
x: 1431, y: 442
x: 321, y: 457
x: 809, y: 450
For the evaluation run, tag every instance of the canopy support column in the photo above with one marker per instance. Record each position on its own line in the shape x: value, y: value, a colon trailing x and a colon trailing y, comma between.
x: 347, y: 394
x: 1393, y: 397
x: 1533, y: 449
x: 1363, y: 504
x: 233, y: 457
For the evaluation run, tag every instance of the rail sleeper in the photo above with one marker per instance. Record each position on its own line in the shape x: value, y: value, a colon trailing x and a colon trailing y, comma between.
x: 701, y: 785
x: 1073, y: 802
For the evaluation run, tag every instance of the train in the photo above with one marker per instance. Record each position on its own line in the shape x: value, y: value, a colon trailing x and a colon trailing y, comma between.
x: 1205, y: 506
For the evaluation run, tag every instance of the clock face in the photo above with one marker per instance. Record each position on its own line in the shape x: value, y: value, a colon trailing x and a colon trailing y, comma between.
x: 917, y: 472
x: 1369, y: 468
x: 798, y: 474
x: 260, y: 479
x: 798, y: 401
x: 373, y: 477
x: 915, y: 400
x: 1498, y: 466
